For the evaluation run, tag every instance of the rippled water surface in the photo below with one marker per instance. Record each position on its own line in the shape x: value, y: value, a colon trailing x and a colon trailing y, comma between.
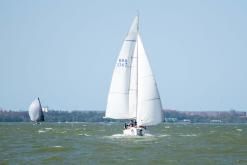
x: 103, y: 143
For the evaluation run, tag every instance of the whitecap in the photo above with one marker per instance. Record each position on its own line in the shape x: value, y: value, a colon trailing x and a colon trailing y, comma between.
x: 62, y: 132
x: 57, y: 146
x: 117, y: 135
x: 86, y: 134
x: 41, y: 131
x: 239, y: 130
x: 188, y: 135
x: 48, y: 128
x: 165, y: 135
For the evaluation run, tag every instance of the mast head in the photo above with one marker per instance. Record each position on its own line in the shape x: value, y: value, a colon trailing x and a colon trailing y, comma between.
x: 138, y: 17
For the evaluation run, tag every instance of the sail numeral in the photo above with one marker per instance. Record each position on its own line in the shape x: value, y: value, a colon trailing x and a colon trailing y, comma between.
x: 122, y: 62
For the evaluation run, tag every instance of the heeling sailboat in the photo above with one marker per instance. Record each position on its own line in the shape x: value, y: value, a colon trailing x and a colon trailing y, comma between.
x: 133, y: 92
x: 35, y: 111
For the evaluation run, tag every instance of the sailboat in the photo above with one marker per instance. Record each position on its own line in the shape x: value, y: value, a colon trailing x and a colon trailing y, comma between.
x: 133, y: 91
x: 35, y: 111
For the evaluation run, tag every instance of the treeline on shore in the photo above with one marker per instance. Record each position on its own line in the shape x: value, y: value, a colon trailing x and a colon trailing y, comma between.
x: 97, y: 116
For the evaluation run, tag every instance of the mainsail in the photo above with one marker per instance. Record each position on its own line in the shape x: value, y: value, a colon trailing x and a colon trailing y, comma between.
x: 118, y: 98
x: 35, y: 111
x: 133, y: 92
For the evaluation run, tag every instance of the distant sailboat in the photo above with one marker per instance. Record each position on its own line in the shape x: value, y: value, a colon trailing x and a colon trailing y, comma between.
x: 133, y: 92
x: 35, y: 111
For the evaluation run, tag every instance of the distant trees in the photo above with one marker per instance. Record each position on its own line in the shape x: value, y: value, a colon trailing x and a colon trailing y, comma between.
x: 97, y: 116
x: 231, y: 117
x: 55, y: 116
x: 13, y: 116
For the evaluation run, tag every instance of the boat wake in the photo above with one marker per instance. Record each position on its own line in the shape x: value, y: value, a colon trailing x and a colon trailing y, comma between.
x: 165, y: 135
x: 122, y: 136
x: 147, y: 135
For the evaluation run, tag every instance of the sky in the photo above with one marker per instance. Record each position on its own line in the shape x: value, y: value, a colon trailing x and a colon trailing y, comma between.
x: 64, y: 51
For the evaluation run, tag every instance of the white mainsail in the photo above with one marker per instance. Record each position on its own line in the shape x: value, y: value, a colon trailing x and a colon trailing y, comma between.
x: 133, y: 91
x: 118, y: 98
x: 35, y: 111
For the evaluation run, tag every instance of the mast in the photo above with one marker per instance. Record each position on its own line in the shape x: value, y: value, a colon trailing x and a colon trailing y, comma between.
x: 137, y: 63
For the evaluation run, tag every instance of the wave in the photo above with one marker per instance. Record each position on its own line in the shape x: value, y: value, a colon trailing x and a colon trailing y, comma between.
x: 188, y: 135
x: 165, y: 135
x: 41, y: 131
x: 239, y: 130
x: 57, y: 146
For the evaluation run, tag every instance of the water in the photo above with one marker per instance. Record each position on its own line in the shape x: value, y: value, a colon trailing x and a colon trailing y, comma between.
x: 103, y: 143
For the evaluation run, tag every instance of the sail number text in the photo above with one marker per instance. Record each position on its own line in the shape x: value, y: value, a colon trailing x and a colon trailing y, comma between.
x: 122, y: 62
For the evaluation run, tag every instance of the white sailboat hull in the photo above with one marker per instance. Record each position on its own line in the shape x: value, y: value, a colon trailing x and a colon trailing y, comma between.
x: 134, y: 131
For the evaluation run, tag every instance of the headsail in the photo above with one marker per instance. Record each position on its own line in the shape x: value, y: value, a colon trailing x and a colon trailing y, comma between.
x: 149, y: 110
x: 118, y: 98
x: 35, y: 111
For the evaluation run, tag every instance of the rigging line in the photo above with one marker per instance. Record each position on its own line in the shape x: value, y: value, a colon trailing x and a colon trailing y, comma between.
x: 137, y: 63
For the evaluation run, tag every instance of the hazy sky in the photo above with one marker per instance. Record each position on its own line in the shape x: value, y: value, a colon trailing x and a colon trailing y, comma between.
x: 65, y: 51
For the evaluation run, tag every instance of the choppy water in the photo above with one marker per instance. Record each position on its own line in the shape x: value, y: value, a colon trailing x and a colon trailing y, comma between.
x: 103, y: 143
